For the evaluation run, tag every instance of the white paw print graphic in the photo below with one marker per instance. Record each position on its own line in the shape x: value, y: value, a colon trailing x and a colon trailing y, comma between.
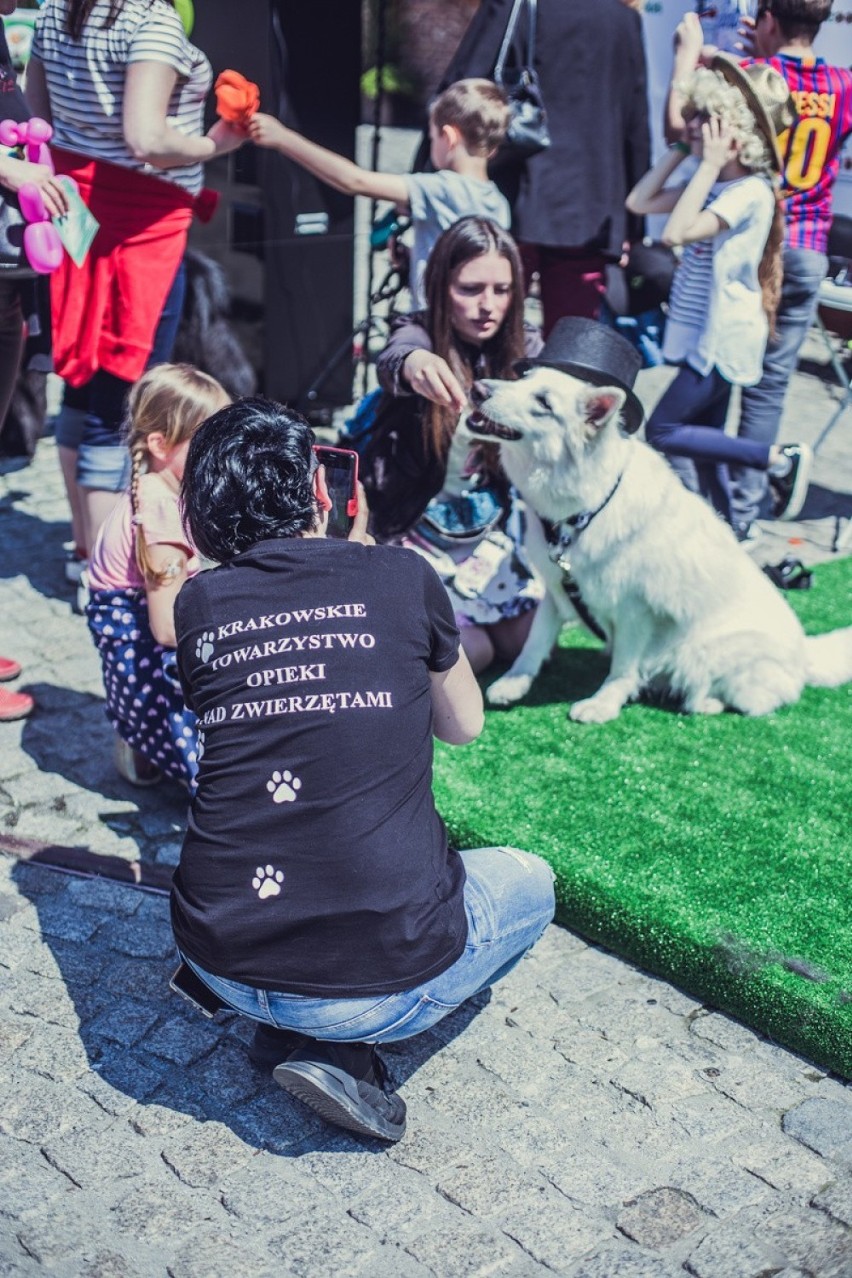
x: 267, y: 881
x: 204, y: 646
x: 283, y: 787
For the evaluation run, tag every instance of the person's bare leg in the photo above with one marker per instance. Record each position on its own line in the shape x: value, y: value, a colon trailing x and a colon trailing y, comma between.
x: 508, y: 637
x: 478, y: 647
x: 97, y: 505
x: 68, y: 466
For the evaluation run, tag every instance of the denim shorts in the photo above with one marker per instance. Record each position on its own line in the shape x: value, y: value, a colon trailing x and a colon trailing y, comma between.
x: 509, y: 902
x: 102, y: 466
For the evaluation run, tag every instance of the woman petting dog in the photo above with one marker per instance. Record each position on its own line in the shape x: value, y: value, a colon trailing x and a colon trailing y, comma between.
x: 729, y: 222
x: 430, y: 483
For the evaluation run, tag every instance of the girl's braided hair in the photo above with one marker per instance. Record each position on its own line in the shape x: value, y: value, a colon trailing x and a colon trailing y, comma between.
x: 172, y: 399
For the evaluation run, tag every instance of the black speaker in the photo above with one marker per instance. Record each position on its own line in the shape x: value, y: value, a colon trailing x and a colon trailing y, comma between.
x: 287, y: 241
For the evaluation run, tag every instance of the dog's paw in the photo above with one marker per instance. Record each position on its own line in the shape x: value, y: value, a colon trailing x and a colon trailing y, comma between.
x: 594, y: 710
x: 509, y: 689
x: 708, y: 705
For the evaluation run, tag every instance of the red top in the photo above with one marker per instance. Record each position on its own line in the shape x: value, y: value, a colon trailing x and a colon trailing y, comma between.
x: 811, y: 147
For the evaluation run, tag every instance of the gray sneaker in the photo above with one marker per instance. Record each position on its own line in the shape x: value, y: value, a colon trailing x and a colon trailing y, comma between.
x: 316, y: 1076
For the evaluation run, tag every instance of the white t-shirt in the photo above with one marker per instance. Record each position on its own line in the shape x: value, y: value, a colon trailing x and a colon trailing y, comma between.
x: 85, y: 79
x: 437, y: 200
x: 716, y: 316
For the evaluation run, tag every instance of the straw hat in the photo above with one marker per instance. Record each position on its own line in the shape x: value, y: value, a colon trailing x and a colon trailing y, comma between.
x: 768, y: 96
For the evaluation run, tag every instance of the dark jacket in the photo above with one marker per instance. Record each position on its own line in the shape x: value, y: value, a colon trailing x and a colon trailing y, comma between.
x: 590, y: 58
x: 400, y: 471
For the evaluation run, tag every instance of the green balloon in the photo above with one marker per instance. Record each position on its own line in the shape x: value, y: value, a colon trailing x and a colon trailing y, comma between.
x: 186, y: 13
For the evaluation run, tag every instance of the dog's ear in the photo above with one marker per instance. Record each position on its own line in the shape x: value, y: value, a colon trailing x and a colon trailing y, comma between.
x: 598, y: 404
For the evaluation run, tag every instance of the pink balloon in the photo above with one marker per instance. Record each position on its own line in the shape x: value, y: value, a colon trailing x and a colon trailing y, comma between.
x: 38, y: 130
x: 31, y: 203
x: 43, y: 247
x: 39, y: 153
x: 9, y: 133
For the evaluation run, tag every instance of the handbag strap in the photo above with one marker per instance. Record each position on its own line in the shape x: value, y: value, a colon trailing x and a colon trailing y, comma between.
x: 511, y: 27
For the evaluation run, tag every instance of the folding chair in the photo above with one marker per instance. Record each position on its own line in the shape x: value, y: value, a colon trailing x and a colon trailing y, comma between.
x: 834, y: 313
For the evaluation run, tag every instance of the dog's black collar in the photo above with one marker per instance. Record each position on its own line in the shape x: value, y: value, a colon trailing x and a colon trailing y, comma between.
x: 560, y: 537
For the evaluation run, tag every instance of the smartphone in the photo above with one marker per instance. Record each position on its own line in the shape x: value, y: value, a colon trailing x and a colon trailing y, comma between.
x: 721, y: 20
x: 341, y: 477
x: 193, y: 989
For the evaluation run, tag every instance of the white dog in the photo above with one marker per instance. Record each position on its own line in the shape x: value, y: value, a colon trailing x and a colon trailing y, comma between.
x: 684, y: 609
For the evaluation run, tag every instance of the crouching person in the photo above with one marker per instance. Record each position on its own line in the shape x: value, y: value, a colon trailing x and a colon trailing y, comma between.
x: 316, y: 893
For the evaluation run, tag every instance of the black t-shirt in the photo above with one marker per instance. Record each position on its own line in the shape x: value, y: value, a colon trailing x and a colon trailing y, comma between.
x: 315, y: 861
x: 12, y: 104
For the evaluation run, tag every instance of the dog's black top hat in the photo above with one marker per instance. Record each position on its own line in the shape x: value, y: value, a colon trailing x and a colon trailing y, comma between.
x: 594, y: 353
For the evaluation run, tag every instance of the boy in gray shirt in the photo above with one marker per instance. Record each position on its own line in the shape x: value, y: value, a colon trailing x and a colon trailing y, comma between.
x: 467, y: 123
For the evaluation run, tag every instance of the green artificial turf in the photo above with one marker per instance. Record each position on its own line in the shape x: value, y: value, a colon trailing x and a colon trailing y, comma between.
x: 713, y: 851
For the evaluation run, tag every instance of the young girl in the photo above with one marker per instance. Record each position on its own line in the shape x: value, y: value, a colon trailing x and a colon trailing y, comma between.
x: 141, y: 559
x: 726, y: 288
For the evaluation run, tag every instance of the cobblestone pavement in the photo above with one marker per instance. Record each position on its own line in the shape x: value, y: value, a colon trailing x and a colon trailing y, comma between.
x: 588, y: 1120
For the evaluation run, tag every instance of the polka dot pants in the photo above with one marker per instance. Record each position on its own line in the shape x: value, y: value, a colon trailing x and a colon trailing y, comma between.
x: 144, y: 699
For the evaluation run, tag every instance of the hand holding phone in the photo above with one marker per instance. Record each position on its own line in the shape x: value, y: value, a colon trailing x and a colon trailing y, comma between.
x: 341, y: 480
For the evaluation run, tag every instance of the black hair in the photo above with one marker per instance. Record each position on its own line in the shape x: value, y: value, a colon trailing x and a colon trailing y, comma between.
x: 79, y: 12
x: 248, y: 477
x: 799, y: 19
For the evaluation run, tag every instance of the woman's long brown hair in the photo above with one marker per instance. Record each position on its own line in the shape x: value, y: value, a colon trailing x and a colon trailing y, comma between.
x: 469, y: 238
x: 79, y: 12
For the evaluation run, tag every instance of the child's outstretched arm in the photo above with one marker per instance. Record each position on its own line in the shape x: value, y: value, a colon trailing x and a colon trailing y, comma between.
x: 689, y: 219
x: 650, y: 194
x: 689, y: 50
x: 169, y: 562
x: 329, y: 167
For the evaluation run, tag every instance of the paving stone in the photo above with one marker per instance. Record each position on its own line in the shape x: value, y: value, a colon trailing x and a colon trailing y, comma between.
x: 323, y: 1240
x: 824, y: 1126
x: 200, y: 1159
x: 154, y: 1206
x: 550, y: 1230
x: 722, y: 1031
x: 811, y: 1240
x: 836, y: 1201
x: 624, y: 1264
x: 126, y: 1022
x: 785, y: 1166
x: 180, y: 1039
x: 716, y: 1182
x: 220, y: 1257
x: 733, y: 1253
x: 270, y: 1191
x: 92, y: 1160
x: 45, y: 1109
x: 53, y: 1052
x: 138, y: 939
x: 474, y: 1248
x: 109, y: 1264
x: 104, y: 897
x: 661, y: 1217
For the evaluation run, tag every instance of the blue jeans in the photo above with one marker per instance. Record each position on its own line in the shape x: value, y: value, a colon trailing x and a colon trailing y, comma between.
x: 509, y: 902
x: 689, y: 423
x: 763, y: 404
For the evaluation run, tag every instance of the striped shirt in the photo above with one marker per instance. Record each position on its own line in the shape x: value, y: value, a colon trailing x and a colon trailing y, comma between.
x: 716, y: 317
x: 85, y: 79
x: 811, y: 149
